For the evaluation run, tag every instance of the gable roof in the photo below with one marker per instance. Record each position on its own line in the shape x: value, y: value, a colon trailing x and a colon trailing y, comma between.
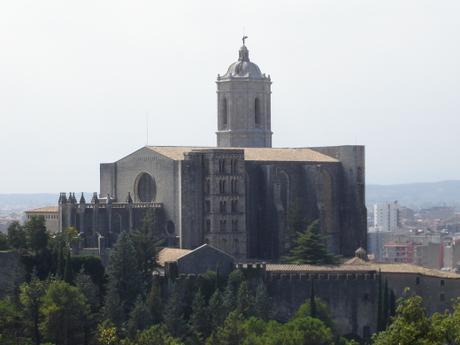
x: 170, y: 254
x: 251, y: 153
x: 174, y: 254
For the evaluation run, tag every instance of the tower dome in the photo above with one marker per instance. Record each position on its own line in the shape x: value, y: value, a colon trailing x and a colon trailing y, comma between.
x: 244, y: 68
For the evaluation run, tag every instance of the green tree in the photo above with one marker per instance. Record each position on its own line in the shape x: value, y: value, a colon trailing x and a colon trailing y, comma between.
x: 64, y: 313
x: 231, y: 332
x: 173, y: 316
x: 262, y: 303
x: 31, y: 299
x: 145, y: 240
x: 139, y: 318
x: 68, y: 272
x: 200, y: 319
x: 4, y: 244
x: 11, y: 324
x: 17, y: 236
x: 107, y: 334
x: 307, y: 331
x: 410, y: 326
x: 309, y: 248
x: 215, y: 308
x: 37, y: 236
x: 229, y: 298
x: 91, y: 292
x: 156, y: 335
x: 245, y: 301
x: 322, y: 312
x: 124, y: 280
x: 154, y: 301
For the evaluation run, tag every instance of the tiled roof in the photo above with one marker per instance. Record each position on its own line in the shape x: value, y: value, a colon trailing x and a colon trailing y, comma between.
x: 48, y: 209
x: 363, y: 266
x: 251, y: 153
x: 170, y: 254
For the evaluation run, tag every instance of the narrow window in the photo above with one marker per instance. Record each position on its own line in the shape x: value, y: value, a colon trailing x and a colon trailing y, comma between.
x: 442, y: 297
x: 224, y: 113
x: 208, y: 225
x: 257, y: 112
x: 417, y: 281
x: 223, y: 207
x: 442, y: 282
x: 234, y: 206
x: 207, y: 206
x: 207, y: 187
x: 234, y: 225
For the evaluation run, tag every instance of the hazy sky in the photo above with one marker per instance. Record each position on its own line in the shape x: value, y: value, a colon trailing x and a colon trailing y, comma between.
x: 78, y: 77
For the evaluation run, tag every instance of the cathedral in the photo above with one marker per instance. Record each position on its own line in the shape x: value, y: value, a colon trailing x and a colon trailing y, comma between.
x: 239, y: 196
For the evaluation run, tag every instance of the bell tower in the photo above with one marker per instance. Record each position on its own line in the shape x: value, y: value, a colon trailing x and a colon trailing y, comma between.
x: 243, y: 105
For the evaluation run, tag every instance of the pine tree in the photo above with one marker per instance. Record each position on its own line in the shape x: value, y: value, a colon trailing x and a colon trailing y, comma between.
x: 31, y: 298
x: 154, y: 302
x: 244, y: 302
x: 139, y: 318
x: 215, y: 308
x: 229, y: 298
x: 68, y: 272
x: 124, y: 279
x: 173, y: 316
x: 262, y: 304
x: 37, y: 236
x: 231, y: 332
x: 145, y: 240
x: 60, y: 260
x: 199, y: 319
x: 309, y: 248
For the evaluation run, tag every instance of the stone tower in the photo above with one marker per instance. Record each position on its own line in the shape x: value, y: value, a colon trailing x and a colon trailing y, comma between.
x: 244, y: 107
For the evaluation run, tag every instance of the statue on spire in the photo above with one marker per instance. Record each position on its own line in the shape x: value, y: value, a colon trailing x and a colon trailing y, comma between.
x: 244, y: 39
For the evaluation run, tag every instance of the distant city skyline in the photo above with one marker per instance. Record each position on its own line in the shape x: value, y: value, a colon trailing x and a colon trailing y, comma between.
x: 79, y: 79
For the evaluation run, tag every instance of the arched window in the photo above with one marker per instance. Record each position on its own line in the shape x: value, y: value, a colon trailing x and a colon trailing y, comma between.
x: 224, y: 111
x: 257, y: 114
x: 170, y: 228
x: 145, y: 188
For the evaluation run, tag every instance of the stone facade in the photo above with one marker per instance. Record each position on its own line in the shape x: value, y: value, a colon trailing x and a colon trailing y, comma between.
x: 236, y: 196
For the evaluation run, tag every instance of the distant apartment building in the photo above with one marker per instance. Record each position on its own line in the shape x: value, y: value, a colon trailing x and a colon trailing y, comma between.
x: 396, y: 252
x: 51, y: 215
x: 386, y: 217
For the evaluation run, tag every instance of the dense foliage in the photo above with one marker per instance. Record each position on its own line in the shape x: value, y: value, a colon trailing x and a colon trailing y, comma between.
x: 70, y: 300
x: 309, y: 247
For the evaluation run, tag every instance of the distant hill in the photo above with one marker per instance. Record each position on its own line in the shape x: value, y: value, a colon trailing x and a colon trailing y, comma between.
x: 26, y: 201
x: 416, y: 195
x: 23, y: 202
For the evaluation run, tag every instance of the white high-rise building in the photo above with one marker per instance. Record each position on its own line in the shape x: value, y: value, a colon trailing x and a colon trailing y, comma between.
x: 386, y: 216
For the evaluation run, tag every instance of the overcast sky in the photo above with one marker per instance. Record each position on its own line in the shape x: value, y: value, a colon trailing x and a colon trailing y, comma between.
x: 77, y: 79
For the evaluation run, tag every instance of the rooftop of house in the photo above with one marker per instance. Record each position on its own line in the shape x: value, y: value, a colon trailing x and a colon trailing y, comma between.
x: 47, y: 209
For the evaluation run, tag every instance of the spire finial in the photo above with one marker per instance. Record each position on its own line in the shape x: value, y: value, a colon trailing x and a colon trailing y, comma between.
x: 244, y: 39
